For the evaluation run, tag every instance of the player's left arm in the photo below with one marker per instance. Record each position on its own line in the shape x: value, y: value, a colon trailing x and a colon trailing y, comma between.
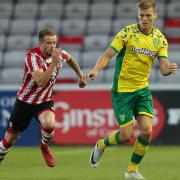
x: 167, y: 67
x: 75, y: 66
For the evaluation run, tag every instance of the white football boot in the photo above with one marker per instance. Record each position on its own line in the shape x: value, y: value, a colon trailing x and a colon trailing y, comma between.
x: 134, y: 175
x: 95, y: 155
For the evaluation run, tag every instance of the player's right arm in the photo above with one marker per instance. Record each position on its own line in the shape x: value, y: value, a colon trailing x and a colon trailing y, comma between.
x: 102, y: 62
x: 117, y: 44
x: 42, y: 77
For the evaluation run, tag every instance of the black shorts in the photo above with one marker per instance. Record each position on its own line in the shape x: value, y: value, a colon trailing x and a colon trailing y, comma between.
x: 23, y: 112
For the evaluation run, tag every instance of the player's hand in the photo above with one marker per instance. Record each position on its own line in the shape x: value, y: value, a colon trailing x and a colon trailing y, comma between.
x: 56, y: 55
x: 92, y: 75
x: 172, y: 68
x: 83, y: 81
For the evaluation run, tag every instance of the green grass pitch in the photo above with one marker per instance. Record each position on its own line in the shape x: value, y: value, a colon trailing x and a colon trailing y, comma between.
x: 160, y: 163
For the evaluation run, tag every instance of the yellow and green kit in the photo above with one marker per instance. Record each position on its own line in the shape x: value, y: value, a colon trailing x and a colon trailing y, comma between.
x: 136, y: 53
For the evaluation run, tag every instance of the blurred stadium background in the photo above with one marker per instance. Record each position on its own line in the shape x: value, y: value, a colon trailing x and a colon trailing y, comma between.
x: 85, y: 28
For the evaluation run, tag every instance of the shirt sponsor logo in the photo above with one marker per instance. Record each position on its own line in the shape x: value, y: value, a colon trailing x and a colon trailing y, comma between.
x: 143, y: 51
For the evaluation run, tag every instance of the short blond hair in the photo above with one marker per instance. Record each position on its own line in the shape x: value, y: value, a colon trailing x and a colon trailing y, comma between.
x: 146, y: 4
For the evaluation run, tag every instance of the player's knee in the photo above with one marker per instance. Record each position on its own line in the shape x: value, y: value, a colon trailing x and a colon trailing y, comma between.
x: 126, y: 137
x: 146, y: 133
x: 47, y: 119
x: 48, y: 122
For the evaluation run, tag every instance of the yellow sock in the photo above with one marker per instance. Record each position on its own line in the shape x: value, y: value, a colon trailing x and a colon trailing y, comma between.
x: 140, y: 149
x: 132, y: 167
x: 101, y: 145
x: 112, y: 139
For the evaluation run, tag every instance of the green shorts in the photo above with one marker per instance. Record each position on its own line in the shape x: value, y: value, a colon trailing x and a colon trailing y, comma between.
x: 128, y: 105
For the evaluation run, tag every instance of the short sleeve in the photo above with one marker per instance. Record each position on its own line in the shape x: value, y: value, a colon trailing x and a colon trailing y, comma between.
x: 64, y: 56
x: 120, y: 40
x: 163, y: 52
x: 33, y: 62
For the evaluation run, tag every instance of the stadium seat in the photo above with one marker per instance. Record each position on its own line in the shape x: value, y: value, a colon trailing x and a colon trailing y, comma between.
x: 173, y: 1
x: 109, y: 75
x: 14, y: 58
x: 136, y: 1
x: 118, y: 24
x: 49, y: 23
x: 18, y: 42
x: 71, y: 42
x: 98, y: 26
x: 101, y: 10
x: 161, y: 9
x: 112, y: 62
x: 172, y: 27
x: 7, y: 1
x: 161, y: 1
x: 26, y: 10
x: 2, y: 42
x: 153, y: 74
x: 34, y: 41
x: 55, y: 10
x: 102, y: 1
x: 67, y: 75
x: 169, y: 79
x: 172, y: 31
x: 174, y: 57
x: 34, y: 1
x: 125, y: 10
x: 76, y: 55
x: 1, y: 58
x: 10, y: 75
x: 124, y: 1
x: 78, y: 1
x: 86, y: 27
x: 5, y: 10
x: 174, y: 47
x: 76, y: 10
x: 22, y: 26
x: 73, y: 26
x: 89, y: 58
x: 95, y: 42
x: 53, y: 1
x: 4, y: 26
x: 159, y: 23
x: 156, y: 63
x: 173, y: 10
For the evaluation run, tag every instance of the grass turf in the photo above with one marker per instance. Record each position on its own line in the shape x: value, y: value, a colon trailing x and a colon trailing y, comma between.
x: 160, y: 163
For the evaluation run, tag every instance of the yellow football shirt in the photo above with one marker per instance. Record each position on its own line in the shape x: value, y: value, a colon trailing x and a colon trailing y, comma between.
x: 136, y: 53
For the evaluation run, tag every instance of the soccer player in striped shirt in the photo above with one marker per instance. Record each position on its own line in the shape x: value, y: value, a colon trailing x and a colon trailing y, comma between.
x: 137, y: 46
x: 34, y: 99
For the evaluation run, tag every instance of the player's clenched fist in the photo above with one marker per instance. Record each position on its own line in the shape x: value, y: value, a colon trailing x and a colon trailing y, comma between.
x: 172, y: 68
x: 83, y: 81
x: 56, y: 54
x: 93, y: 74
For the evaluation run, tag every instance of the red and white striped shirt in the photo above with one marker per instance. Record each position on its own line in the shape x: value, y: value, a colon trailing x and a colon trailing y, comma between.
x: 30, y: 92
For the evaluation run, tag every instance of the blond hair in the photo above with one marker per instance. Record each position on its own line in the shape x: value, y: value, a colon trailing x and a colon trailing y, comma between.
x: 146, y: 4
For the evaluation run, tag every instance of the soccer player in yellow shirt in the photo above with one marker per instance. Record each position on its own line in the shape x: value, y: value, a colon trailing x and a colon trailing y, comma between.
x: 137, y: 46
